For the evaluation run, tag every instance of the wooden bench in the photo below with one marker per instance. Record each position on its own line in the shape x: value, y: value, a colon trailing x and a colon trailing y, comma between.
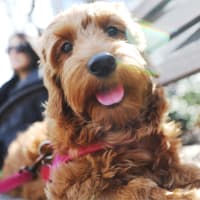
x: 180, y: 19
x: 179, y: 57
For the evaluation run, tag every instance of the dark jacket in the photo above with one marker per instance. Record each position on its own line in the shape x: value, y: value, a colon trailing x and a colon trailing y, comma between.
x: 20, y: 105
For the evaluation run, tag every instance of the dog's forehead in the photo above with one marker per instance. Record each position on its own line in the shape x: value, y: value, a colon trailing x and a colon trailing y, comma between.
x: 87, y: 19
x: 78, y: 17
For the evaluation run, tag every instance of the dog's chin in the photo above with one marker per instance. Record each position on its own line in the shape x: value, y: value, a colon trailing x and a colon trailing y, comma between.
x: 116, y: 115
x: 116, y: 103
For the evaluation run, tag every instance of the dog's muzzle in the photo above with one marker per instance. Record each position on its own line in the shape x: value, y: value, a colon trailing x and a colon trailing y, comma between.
x: 102, y: 64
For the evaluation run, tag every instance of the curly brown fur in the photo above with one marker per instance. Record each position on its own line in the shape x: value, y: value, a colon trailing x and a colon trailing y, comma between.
x: 140, y: 161
x: 23, y: 152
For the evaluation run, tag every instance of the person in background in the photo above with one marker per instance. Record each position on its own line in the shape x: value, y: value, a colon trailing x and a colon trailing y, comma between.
x: 22, y: 96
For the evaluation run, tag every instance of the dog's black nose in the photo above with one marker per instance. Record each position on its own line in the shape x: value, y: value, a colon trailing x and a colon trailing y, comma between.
x: 102, y: 64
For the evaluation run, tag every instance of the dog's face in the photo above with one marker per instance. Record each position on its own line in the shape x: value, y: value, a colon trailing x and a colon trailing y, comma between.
x: 92, y: 68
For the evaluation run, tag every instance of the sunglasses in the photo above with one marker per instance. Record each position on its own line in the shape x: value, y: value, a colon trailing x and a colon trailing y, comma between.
x: 21, y: 48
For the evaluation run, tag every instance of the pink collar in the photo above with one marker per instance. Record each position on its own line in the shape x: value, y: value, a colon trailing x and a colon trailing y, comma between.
x: 58, y: 159
x: 81, y: 152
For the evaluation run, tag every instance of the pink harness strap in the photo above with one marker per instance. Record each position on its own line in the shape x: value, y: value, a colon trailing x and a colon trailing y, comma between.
x: 15, y: 181
x: 58, y: 159
x: 24, y: 176
x: 82, y: 151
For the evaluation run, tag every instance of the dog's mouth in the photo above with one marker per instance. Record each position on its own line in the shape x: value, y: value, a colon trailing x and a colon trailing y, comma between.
x: 110, y: 96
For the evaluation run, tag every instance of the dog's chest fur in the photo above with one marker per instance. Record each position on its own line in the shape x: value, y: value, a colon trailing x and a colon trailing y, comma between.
x: 103, y: 172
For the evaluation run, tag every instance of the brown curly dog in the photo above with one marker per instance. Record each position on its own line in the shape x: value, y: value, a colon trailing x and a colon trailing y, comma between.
x: 100, y: 92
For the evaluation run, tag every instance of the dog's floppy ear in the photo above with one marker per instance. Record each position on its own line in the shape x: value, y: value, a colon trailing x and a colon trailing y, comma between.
x: 56, y: 105
x: 55, y: 101
x: 156, y: 108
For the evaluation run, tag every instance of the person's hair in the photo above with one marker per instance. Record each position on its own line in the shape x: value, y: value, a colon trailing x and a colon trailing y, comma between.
x: 34, y: 58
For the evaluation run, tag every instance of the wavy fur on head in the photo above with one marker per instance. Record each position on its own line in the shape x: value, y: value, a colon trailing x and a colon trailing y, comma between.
x: 140, y: 161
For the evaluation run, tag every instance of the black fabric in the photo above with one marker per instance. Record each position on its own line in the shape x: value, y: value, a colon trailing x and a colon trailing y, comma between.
x: 20, y: 106
x: 4, y: 90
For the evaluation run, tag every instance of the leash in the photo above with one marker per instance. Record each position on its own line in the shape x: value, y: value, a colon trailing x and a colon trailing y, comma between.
x: 27, y: 174
x: 44, y: 164
x: 14, y: 181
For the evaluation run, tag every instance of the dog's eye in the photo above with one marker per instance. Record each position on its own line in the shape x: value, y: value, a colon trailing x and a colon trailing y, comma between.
x: 112, y: 31
x: 66, y: 47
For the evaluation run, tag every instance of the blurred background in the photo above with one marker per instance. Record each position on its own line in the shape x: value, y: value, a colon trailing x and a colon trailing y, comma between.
x: 29, y: 16
x: 172, y: 29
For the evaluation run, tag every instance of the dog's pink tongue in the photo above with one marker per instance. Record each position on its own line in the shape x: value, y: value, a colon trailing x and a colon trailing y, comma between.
x: 111, y: 96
